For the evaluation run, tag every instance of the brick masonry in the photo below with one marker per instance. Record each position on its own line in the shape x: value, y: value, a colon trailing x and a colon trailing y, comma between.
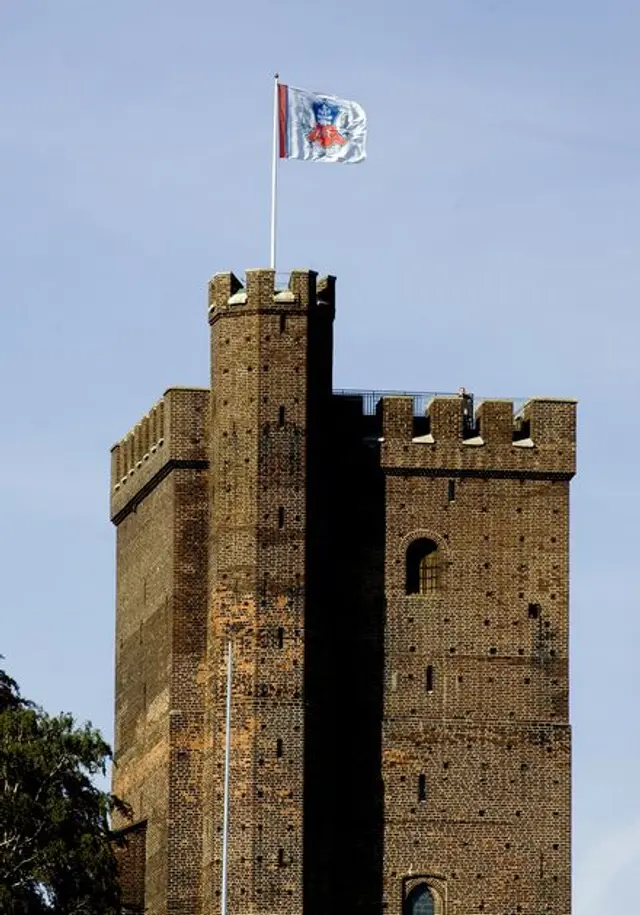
x: 380, y: 740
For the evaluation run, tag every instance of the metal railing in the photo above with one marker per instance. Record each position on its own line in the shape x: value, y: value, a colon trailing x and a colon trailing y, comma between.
x: 370, y: 398
x: 420, y: 399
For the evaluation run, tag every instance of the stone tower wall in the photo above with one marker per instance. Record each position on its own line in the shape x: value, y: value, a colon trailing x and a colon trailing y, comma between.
x: 271, y: 375
x: 159, y: 504
x: 476, y: 740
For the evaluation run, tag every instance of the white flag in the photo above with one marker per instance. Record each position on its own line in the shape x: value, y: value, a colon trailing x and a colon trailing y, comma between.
x: 320, y: 128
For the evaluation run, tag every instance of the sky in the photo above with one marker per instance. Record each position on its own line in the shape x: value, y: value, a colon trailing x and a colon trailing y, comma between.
x: 490, y: 240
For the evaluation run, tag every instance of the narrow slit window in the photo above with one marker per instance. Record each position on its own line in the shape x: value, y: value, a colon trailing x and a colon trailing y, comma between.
x: 283, y: 323
x: 280, y: 637
x: 281, y: 417
x: 279, y: 747
x: 281, y: 857
x: 429, y: 679
x: 534, y: 611
x: 451, y: 491
x: 422, y: 787
x: 281, y: 517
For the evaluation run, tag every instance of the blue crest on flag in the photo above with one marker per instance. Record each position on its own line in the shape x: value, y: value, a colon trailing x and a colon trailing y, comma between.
x: 324, y: 112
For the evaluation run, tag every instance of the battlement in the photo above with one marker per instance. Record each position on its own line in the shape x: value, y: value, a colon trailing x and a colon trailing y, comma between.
x: 260, y: 291
x: 172, y: 433
x: 539, y: 437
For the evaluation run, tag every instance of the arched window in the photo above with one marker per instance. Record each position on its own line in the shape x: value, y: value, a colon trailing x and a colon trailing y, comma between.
x: 419, y: 901
x: 423, y: 567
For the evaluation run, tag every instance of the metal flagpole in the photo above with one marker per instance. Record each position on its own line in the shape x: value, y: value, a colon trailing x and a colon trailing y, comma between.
x: 225, y: 814
x: 274, y: 171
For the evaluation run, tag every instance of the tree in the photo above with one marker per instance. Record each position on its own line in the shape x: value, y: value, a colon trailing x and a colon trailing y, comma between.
x: 56, y: 857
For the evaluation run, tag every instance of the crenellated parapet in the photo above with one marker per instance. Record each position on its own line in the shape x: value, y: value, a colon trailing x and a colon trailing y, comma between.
x: 539, y: 439
x: 172, y: 433
x: 260, y: 293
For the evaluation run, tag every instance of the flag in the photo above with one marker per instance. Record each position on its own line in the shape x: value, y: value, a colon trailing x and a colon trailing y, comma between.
x: 320, y: 128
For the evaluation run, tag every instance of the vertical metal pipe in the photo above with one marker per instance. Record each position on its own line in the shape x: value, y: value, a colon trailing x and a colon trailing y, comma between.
x: 227, y: 761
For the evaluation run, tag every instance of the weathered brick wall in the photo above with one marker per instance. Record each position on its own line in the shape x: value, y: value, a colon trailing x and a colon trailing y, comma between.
x: 489, y: 733
x: 186, y: 718
x: 131, y: 855
x: 262, y: 392
x: 143, y: 658
x: 159, y: 503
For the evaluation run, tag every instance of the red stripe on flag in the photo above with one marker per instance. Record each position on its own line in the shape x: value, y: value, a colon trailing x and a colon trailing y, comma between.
x: 282, y: 119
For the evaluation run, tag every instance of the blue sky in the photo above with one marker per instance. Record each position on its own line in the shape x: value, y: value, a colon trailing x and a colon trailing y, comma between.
x: 490, y: 240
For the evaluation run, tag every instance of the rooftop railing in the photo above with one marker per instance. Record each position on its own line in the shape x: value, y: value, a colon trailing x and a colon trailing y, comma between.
x: 370, y: 398
x: 420, y: 399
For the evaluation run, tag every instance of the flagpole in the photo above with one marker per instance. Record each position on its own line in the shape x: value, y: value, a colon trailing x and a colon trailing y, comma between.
x: 274, y: 172
x: 227, y: 761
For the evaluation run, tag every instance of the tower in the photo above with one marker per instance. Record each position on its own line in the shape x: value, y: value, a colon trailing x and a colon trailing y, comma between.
x: 271, y: 354
x: 159, y: 504
x: 392, y: 573
x: 476, y: 741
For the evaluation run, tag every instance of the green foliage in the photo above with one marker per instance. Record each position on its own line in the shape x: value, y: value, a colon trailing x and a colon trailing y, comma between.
x: 55, y: 853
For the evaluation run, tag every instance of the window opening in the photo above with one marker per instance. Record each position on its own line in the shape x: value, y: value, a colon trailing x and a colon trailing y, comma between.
x: 419, y: 901
x: 281, y: 857
x: 279, y: 747
x: 422, y: 787
x: 281, y: 417
x: 283, y: 323
x: 281, y: 517
x: 280, y: 637
x: 423, y: 567
x: 451, y: 491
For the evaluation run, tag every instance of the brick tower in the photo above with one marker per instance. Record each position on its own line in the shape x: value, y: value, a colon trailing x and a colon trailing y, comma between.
x: 392, y: 572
